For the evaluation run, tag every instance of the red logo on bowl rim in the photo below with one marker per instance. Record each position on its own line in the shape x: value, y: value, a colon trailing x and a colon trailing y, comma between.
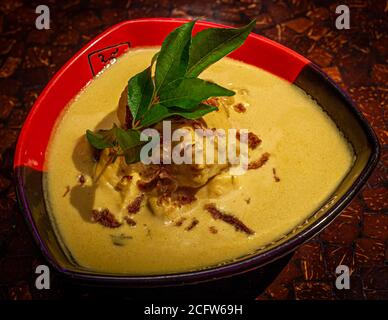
x: 100, y: 58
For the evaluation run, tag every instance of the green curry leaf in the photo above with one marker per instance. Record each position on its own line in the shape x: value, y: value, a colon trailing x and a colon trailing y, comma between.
x: 171, y: 63
x: 191, y: 92
x: 140, y: 92
x: 210, y: 45
x: 101, y: 139
x: 128, y: 140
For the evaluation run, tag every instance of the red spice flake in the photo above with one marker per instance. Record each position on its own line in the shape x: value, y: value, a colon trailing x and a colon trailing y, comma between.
x: 180, y: 222
x: 81, y: 179
x: 105, y: 218
x: 66, y: 191
x: 228, y: 218
x: 239, y: 107
x: 253, y: 140
x: 184, y: 196
x: 130, y: 221
x: 260, y: 162
x: 134, y: 206
x: 213, y: 229
x: 192, y: 225
x: 212, y: 102
x: 277, y: 179
x: 158, y: 177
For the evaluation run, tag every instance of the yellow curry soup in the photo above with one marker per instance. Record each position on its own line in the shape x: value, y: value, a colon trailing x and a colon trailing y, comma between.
x: 300, y: 155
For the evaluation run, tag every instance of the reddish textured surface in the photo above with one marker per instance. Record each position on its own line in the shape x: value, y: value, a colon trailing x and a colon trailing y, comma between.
x: 357, y: 59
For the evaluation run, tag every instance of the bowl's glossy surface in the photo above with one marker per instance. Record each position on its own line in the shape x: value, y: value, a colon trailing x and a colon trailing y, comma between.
x: 32, y: 144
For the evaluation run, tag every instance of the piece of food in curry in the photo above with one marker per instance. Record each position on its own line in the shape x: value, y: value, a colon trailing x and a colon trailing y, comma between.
x: 168, y: 188
x: 228, y: 218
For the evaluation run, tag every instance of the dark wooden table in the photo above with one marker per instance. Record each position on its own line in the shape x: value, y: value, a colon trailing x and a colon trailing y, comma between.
x: 357, y: 59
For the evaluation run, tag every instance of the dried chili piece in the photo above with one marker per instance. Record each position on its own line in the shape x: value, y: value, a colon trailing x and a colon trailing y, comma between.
x: 228, y: 218
x: 105, y: 218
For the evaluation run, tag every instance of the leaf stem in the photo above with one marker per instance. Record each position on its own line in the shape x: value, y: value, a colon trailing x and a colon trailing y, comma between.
x: 110, y: 161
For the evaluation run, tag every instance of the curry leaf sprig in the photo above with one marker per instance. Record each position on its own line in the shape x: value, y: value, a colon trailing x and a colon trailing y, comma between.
x: 174, y: 89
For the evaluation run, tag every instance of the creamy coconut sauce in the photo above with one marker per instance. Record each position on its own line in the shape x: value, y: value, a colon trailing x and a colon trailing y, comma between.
x: 310, y: 157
